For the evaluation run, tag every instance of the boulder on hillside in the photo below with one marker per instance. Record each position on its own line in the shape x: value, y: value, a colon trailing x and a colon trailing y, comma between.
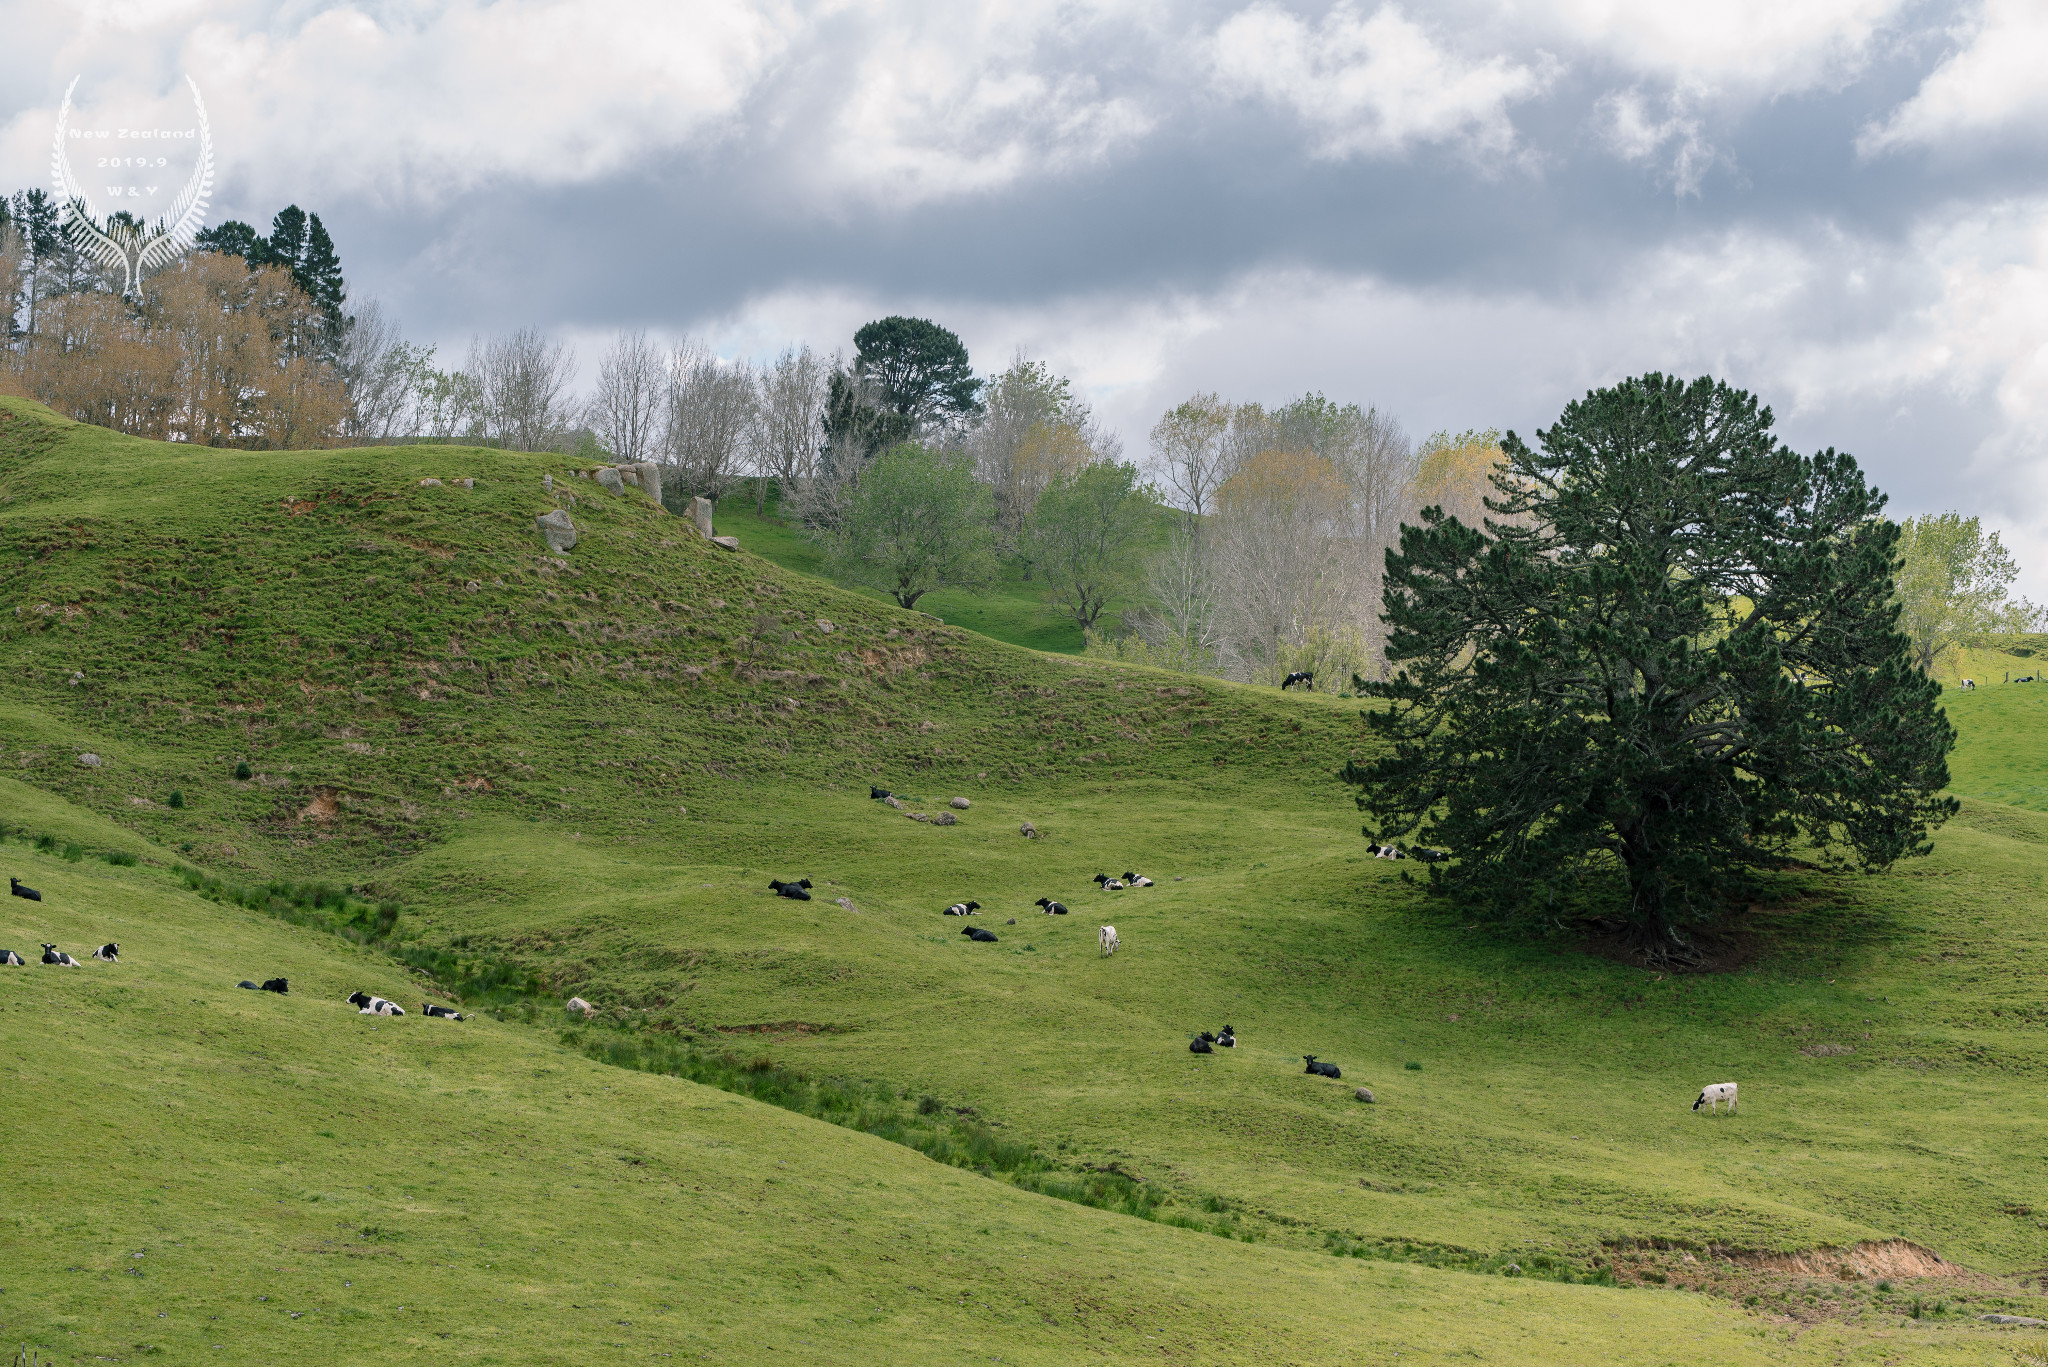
x: 846, y: 902
x: 1364, y: 1094
x: 919, y: 816
x: 556, y: 529
x: 700, y: 513
x: 959, y: 804
x: 547, y: 482
x: 945, y: 819
x: 466, y: 482
x: 430, y: 484
x: 576, y: 1006
x: 731, y: 543
x: 895, y: 802
x: 650, y: 479
x: 89, y: 760
x: 1028, y: 831
x: 612, y: 480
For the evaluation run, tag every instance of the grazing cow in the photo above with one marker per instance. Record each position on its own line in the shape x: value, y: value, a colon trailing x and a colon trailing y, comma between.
x: 442, y: 1012
x: 1200, y: 1045
x: 1108, y: 884
x: 111, y: 953
x: 1970, y: 685
x: 1051, y: 908
x: 21, y: 889
x: 1106, y: 938
x: 374, y: 1006
x: 1300, y: 676
x: 1228, y: 1039
x: 1712, y: 1095
x: 9, y: 957
x: 978, y: 935
x: 963, y: 909
x: 1315, y: 1069
x: 1131, y: 880
x: 877, y: 794
x: 796, y: 892
x: 277, y: 985
x: 54, y: 955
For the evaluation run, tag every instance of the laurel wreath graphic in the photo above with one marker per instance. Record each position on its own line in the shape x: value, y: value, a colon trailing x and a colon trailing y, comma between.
x: 134, y: 250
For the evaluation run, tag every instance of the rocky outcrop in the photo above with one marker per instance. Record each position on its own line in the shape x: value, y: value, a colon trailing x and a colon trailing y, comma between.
x: 556, y: 529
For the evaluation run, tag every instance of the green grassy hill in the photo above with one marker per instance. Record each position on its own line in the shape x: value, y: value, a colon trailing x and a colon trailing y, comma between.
x: 593, y: 768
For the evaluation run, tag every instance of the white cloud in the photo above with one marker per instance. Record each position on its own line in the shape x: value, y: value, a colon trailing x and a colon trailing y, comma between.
x: 1374, y: 85
x: 1634, y: 134
x: 1993, y: 85
x: 1755, y: 48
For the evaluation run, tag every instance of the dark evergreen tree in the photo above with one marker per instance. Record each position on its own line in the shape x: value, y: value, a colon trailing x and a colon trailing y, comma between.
x: 1672, y: 656
x: 855, y: 428
x: 918, y: 369
x: 37, y: 219
x: 287, y: 244
x: 319, y: 271
x: 232, y: 238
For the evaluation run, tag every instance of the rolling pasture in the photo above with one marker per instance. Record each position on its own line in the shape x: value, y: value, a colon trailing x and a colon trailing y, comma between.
x: 591, y: 766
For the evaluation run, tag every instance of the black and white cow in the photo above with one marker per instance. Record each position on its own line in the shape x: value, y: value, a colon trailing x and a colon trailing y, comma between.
x: 1051, y: 908
x: 374, y: 1006
x: 110, y: 953
x: 9, y: 958
x: 1228, y: 1039
x: 799, y: 891
x: 1315, y: 1069
x: 963, y: 909
x: 1132, y: 880
x: 54, y: 955
x: 1388, y: 852
x: 21, y: 889
x: 441, y: 1012
x: 1109, y: 884
x: 1300, y: 676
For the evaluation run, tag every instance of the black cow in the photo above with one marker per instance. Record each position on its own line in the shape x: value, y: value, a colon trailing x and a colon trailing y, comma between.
x: 1300, y: 676
x: 246, y: 983
x: 21, y: 889
x: 278, y: 985
x: 1315, y: 1069
x: 962, y: 909
x: 111, y: 953
x: 1050, y: 907
x: 54, y: 955
x: 9, y: 957
x: 1200, y: 1045
x: 978, y: 935
x: 878, y: 793
x: 443, y: 1012
x: 796, y: 892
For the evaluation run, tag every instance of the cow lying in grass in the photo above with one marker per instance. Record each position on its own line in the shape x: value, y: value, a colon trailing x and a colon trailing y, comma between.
x: 10, y: 958
x: 54, y: 955
x: 21, y: 889
x: 442, y: 1012
x: 1200, y: 1044
x: 1109, y: 884
x: 374, y: 1006
x: 978, y: 935
x: 962, y: 909
x: 796, y: 892
x: 1315, y: 1069
x: 1050, y: 907
x: 1132, y: 880
x: 108, y: 953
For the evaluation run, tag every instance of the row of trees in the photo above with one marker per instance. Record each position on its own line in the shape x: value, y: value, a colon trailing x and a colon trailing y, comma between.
x: 236, y: 346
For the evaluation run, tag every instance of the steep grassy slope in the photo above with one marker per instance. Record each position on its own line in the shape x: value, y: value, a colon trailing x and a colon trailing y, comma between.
x: 516, y: 762
x: 393, y: 659
x: 207, y: 1174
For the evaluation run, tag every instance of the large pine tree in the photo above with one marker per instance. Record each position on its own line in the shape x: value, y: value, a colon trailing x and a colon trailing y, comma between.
x: 1671, y: 658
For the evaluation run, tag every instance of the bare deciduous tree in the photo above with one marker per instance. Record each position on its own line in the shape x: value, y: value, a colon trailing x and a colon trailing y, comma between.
x: 791, y: 424
x: 1192, y: 450
x: 709, y: 423
x: 626, y: 410
x: 522, y: 380
x: 385, y: 376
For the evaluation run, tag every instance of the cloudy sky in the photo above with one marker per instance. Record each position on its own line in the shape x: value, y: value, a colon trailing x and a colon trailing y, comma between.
x: 1466, y: 212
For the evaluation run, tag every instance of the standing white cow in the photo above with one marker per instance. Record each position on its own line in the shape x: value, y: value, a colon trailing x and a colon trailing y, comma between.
x: 1712, y: 1095
x: 1108, y: 941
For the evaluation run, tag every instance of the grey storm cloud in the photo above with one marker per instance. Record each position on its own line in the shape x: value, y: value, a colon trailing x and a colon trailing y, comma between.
x: 1467, y: 213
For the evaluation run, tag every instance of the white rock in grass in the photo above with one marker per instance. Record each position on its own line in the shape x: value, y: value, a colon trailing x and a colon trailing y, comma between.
x: 89, y: 760
x: 556, y: 529
x: 960, y: 804
x: 579, y: 1007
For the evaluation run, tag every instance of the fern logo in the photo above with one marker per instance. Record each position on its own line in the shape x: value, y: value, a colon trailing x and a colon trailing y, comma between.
x: 130, y: 160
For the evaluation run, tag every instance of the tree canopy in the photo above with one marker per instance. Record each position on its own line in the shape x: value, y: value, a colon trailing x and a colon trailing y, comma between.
x: 1672, y: 655
x: 917, y: 520
x: 1954, y: 581
x: 919, y: 369
x: 1082, y: 534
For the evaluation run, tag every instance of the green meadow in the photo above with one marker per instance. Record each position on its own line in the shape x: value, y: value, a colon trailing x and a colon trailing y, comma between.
x: 589, y: 766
